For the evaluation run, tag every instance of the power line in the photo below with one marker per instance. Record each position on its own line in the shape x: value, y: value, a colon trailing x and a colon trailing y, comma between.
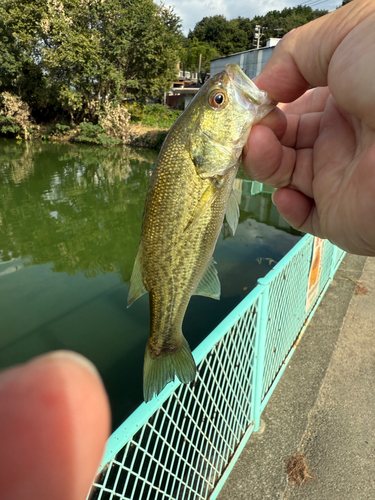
x: 248, y: 11
x: 314, y: 3
x: 309, y: 3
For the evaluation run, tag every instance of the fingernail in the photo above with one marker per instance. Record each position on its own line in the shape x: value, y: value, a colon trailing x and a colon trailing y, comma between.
x: 72, y: 356
x: 272, y: 198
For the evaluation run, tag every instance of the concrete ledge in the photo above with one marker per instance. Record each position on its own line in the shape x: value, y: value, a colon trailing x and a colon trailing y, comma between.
x: 296, y: 414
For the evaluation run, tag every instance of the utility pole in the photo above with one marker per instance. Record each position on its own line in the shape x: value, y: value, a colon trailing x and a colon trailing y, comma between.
x: 258, y: 33
x: 278, y: 31
x: 256, y: 37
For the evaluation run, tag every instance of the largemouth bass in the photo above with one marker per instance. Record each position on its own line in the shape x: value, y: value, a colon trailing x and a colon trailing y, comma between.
x: 191, y: 189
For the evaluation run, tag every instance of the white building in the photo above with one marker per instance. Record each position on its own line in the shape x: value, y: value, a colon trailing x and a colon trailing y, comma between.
x: 250, y: 61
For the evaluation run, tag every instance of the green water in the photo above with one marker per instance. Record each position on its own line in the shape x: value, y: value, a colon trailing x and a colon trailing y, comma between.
x: 70, y: 219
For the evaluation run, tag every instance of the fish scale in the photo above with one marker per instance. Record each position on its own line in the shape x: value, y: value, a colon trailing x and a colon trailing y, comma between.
x: 191, y: 190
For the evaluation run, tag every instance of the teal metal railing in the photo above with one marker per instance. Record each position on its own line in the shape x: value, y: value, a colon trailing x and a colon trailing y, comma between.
x: 183, y: 444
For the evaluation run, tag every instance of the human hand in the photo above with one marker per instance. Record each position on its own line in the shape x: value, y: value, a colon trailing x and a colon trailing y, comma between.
x: 319, y: 151
x: 54, y: 422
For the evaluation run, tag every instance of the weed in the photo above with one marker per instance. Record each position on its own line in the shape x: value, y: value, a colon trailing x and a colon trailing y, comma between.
x: 297, y: 469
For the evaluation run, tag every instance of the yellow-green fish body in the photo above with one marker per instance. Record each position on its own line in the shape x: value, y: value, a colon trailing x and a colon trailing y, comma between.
x: 190, y: 191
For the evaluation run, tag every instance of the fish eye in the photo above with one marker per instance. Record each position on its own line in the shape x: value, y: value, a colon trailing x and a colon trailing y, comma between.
x: 218, y: 99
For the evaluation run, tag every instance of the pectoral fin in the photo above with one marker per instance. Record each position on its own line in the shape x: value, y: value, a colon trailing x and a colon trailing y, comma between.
x: 233, y: 212
x: 137, y: 287
x: 203, y: 205
x: 209, y: 285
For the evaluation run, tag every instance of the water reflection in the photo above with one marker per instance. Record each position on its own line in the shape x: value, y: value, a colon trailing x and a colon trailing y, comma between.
x: 79, y: 209
x: 70, y: 219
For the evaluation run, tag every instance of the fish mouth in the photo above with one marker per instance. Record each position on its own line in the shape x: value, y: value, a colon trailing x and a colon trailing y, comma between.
x: 245, y: 87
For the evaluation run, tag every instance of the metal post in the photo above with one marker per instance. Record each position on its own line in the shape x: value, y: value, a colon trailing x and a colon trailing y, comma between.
x: 260, y: 345
x: 333, y: 263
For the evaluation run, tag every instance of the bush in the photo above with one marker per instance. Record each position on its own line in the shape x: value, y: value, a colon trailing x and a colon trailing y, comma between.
x: 8, y: 126
x: 114, y: 120
x: 15, y: 115
x: 154, y: 115
x: 62, y: 129
x: 88, y: 133
x: 112, y: 129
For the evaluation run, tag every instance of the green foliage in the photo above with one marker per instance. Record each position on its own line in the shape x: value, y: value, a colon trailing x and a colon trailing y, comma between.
x: 192, y: 48
x: 72, y: 59
x: 236, y: 35
x: 228, y: 37
x: 7, y: 126
x: 283, y: 21
x: 62, y: 129
x: 71, y: 54
x: 154, y: 115
x: 88, y: 133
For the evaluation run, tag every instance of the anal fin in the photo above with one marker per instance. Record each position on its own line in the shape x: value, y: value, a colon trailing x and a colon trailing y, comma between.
x: 137, y: 287
x: 209, y: 285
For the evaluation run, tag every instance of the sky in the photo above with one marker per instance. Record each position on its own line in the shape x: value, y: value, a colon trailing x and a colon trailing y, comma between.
x: 192, y: 11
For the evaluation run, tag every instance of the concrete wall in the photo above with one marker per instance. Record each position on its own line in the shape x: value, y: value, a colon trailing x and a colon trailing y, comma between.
x: 251, y: 61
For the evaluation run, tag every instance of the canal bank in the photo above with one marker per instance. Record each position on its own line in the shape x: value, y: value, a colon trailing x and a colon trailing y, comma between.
x: 323, y: 405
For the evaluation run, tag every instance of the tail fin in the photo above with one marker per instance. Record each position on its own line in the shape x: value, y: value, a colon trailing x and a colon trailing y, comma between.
x: 158, y: 371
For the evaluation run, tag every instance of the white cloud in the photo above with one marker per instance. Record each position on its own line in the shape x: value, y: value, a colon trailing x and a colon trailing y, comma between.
x: 193, y: 11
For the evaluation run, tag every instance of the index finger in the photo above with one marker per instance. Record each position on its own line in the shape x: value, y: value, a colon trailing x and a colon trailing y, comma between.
x: 301, y: 59
x: 54, y: 420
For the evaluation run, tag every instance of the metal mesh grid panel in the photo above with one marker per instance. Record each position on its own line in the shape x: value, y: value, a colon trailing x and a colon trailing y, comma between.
x: 183, y: 449
x: 286, y: 312
x: 338, y: 256
x: 328, y: 251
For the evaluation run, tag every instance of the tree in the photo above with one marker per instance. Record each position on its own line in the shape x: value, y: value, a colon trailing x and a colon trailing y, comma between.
x: 236, y: 35
x: 276, y: 23
x: 189, y: 54
x: 89, y: 51
x: 227, y: 37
